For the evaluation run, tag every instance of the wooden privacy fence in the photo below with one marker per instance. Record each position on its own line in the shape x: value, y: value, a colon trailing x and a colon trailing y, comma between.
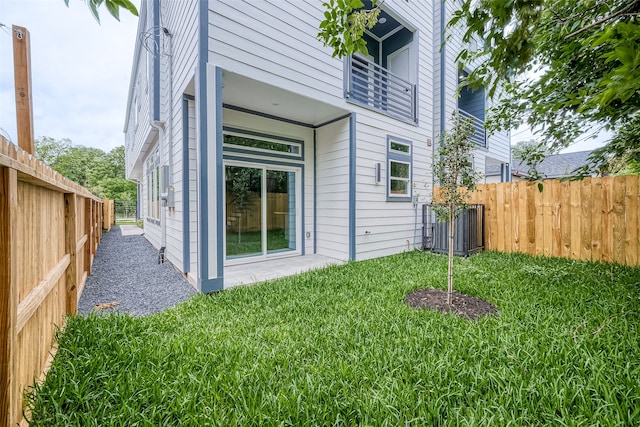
x: 50, y: 228
x: 595, y: 219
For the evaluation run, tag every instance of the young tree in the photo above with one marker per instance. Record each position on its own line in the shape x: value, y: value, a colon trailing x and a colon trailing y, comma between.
x: 456, y: 177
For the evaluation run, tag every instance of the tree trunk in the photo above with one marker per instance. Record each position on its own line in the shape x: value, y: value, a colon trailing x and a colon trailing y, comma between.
x: 451, y: 240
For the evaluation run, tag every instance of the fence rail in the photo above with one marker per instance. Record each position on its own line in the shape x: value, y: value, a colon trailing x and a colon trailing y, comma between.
x: 595, y: 219
x: 50, y: 228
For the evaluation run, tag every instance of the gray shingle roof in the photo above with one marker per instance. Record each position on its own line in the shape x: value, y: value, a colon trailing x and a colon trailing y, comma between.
x: 556, y: 166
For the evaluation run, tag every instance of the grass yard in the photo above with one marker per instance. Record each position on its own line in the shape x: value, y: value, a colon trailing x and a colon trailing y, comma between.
x: 339, y: 346
x: 251, y: 242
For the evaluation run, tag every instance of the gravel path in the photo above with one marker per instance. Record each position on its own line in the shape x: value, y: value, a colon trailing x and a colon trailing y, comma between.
x: 126, y: 271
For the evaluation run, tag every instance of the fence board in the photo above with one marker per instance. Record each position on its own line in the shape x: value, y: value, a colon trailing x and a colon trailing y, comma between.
x: 547, y: 209
x: 564, y: 197
x: 508, y: 227
x: 618, y: 219
x: 585, y: 219
x: 9, y: 409
x: 515, y: 217
x: 556, y: 237
x: 596, y: 224
x: 594, y: 219
x: 631, y: 210
x: 607, y: 225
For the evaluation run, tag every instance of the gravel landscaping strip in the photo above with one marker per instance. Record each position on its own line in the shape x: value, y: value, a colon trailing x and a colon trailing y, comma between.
x: 126, y: 271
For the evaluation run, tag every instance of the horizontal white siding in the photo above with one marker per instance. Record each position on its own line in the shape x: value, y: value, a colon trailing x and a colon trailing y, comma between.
x: 193, y: 191
x: 387, y: 227
x: 332, y: 190
x: 181, y: 19
x: 275, y: 42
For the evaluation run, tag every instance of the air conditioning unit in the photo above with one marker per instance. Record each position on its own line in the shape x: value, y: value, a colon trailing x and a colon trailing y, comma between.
x: 468, y: 235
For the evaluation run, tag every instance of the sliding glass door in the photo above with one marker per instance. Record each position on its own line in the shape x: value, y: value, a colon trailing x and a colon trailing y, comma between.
x: 261, y: 210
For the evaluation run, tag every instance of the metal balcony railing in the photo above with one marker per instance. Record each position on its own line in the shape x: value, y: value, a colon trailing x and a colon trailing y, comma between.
x: 480, y: 134
x: 378, y: 88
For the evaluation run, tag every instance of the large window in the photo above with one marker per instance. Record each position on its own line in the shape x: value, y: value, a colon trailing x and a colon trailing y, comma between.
x: 399, y: 169
x: 152, y: 168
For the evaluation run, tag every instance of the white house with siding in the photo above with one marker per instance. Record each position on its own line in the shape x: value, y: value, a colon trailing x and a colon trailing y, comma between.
x: 250, y: 142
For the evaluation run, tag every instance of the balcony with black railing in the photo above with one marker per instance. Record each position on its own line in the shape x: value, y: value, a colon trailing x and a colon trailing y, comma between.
x: 375, y: 87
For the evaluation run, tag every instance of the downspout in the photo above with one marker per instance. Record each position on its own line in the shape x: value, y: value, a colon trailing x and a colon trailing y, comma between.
x: 170, y: 142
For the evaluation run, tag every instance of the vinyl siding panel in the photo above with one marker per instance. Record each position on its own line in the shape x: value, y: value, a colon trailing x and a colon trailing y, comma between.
x: 193, y: 190
x: 276, y: 43
x: 332, y: 190
x: 180, y: 19
x: 384, y: 227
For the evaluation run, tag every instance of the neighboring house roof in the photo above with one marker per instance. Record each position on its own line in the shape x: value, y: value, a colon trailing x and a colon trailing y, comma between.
x: 556, y: 166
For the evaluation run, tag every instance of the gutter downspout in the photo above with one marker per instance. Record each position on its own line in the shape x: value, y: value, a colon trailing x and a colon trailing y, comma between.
x: 170, y: 142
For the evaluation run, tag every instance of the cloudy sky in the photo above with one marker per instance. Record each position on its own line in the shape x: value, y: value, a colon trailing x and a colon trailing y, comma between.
x: 79, y: 70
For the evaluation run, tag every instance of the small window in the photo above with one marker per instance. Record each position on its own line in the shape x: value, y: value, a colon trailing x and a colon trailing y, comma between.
x: 400, y: 147
x: 237, y: 140
x: 399, y: 178
x: 399, y: 164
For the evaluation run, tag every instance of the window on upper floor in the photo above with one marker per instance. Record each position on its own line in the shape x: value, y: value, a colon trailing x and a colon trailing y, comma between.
x: 384, y: 79
x: 399, y: 169
x: 471, y: 105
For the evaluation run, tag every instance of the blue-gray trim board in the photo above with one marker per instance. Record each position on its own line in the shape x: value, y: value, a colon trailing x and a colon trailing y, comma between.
x: 205, y: 284
x: 352, y: 187
x: 186, y: 238
x: 315, y: 193
x: 220, y: 185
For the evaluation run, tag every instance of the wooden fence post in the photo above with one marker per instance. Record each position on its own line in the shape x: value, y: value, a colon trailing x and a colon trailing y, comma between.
x: 9, y: 396
x: 71, y: 241
x: 89, y: 232
x: 22, y: 77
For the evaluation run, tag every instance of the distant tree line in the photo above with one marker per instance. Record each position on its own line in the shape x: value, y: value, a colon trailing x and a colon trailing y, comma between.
x: 102, y: 173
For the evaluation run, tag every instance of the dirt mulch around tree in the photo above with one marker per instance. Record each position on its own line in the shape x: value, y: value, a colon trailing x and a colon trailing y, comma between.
x: 463, y: 305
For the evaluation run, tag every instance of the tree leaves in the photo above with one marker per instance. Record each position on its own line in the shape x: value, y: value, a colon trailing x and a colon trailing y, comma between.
x: 344, y: 24
x: 454, y: 171
x: 102, y: 173
x: 586, y: 53
x: 113, y: 6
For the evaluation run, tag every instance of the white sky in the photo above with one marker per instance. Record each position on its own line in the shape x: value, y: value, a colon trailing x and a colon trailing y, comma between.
x: 79, y: 70
x: 583, y: 143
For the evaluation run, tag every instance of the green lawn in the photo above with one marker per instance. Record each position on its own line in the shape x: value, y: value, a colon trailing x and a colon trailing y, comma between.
x: 339, y: 346
x: 251, y: 242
